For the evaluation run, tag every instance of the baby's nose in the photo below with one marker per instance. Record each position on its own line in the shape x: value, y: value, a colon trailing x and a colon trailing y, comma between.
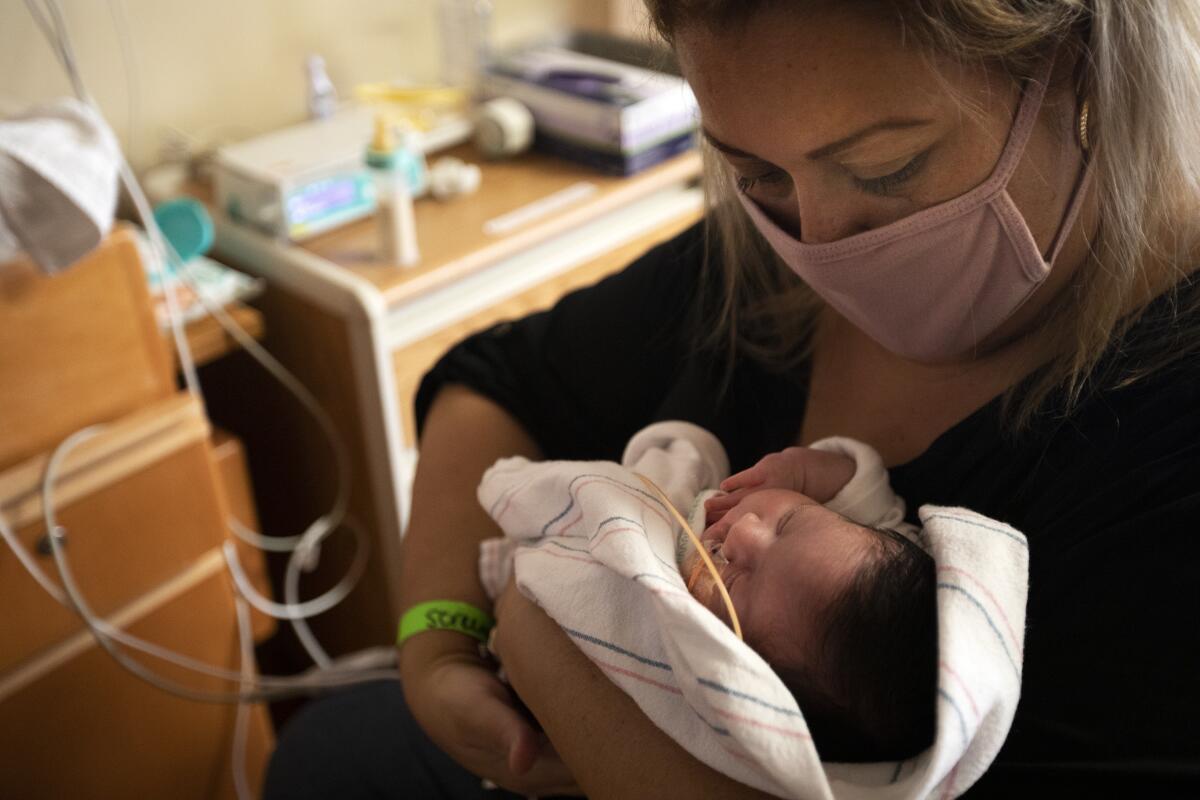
x: 747, y: 540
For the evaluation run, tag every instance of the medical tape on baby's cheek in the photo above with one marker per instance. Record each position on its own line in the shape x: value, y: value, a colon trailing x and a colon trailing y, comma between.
x: 733, y: 618
x: 698, y: 569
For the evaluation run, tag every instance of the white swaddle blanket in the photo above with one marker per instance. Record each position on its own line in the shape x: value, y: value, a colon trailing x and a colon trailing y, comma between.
x: 597, y: 552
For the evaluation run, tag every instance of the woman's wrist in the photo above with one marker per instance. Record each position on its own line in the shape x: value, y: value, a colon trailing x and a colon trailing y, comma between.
x: 445, y: 615
x: 423, y: 654
x: 464, y: 434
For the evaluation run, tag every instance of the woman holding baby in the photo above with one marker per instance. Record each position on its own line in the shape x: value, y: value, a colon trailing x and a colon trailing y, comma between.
x: 963, y: 232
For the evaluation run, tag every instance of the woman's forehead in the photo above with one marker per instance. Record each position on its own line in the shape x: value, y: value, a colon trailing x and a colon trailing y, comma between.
x: 788, y: 83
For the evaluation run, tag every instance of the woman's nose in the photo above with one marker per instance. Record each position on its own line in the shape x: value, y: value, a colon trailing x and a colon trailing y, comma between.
x: 747, y: 540
x: 819, y: 219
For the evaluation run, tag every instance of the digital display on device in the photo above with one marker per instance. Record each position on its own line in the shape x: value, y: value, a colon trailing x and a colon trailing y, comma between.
x: 325, y: 198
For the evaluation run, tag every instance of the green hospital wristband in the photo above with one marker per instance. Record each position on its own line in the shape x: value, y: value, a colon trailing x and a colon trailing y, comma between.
x: 445, y: 615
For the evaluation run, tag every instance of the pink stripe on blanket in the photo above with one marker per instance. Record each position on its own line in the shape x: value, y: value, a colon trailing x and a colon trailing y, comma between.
x: 511, y: 492
x: 1016, y: 640
x: 555, y: 554
x: 611, y: 531
x: 794, y: 734
x: 962, y: 685
x: 593, y: 562
x: 630, y: 673
x: 667, y: 592
x: 948, y: 790
x: 738, y: 754
x: 635, y: 493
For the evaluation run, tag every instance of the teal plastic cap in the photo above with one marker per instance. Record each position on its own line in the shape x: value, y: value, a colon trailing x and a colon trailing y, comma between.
x: 381, y: 159
x: 186, y: 225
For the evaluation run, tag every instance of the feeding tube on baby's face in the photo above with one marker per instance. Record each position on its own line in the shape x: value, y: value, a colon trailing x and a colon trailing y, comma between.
x: 700, y: 550
x: 695, y: 565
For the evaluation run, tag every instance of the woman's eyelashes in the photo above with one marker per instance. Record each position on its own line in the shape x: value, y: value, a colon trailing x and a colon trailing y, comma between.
x: 769, y: 177
x: 888, y: 184
x: 881, y: 185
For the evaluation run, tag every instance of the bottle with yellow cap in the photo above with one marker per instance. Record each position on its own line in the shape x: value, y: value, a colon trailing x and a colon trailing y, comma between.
x: 397, y: 172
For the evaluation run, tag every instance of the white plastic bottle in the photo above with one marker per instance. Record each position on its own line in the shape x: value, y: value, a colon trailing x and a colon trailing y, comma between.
x: 390, y: 165
x: 322, y: 96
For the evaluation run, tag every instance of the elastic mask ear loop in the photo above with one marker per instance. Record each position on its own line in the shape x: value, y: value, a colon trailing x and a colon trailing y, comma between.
x: 733, y: 618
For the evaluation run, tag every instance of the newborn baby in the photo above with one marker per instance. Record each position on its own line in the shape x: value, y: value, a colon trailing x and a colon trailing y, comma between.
x: 841, y: 660
x: 845, y: 615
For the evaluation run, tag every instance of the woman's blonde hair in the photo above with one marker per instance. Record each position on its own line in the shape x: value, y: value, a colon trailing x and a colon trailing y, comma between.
x: 1141, y: 76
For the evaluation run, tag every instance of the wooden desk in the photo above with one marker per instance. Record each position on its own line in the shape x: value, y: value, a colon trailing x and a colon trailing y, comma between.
x: 209, y: 341
x: 360, y: 334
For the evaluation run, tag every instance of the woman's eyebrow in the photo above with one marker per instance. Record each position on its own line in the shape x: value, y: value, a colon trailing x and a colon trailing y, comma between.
x: 891, y: 124
x: 726, y: 148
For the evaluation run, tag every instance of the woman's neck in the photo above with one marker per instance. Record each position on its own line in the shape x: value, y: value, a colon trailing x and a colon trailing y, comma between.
x: 900, y: 407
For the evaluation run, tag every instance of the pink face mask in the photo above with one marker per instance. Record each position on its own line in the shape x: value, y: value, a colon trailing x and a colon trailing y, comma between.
x: 934, y: 284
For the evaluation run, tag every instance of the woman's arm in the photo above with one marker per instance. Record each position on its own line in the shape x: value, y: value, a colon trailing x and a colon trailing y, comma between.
x: 562, y: 379
x: 611, y: 747
x: 452, y: 693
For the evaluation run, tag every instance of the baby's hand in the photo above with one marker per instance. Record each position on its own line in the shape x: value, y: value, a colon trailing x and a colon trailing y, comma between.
x: 815, y: 473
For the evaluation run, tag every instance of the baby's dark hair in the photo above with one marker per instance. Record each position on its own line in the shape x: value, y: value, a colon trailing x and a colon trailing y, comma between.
x: 870, y: 693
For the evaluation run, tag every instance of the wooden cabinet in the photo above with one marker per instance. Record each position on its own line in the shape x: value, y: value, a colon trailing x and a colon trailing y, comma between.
x: 76, y: 348
x: 85, y: 728
x: 144, y: 504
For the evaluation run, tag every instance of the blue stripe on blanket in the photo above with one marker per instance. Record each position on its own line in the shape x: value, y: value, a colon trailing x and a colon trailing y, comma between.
x: 587, y: 637
x: 503, y: 495
x: 991, y: 624
x: 571, y: 502
x: 962, y: 723
x: 556, y: 543
x: 717, y: 729
x: 711, y: 684
x: 607, y: 520
x: 981, y: 526
x: 669, y: 565
x: 673, y: 584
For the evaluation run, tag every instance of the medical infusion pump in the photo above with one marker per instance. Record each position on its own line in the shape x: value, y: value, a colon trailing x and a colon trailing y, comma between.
x: 300, y: 181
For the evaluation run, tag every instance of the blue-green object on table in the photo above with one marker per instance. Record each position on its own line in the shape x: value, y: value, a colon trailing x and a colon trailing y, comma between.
x: 186, y: 225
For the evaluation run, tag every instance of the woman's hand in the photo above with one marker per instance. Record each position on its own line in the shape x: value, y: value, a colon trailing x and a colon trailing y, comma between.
x: 816, y: 473
x: 470, y: 714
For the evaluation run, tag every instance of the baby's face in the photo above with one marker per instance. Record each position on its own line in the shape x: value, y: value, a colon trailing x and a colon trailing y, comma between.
x: 783, y: 557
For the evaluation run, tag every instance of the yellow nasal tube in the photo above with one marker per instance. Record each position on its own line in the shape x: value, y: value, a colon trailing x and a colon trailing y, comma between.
x: 733, y: 618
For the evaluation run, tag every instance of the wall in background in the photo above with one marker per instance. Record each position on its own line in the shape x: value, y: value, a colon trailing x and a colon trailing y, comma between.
x: 629, y: 18
x: 224, y: 69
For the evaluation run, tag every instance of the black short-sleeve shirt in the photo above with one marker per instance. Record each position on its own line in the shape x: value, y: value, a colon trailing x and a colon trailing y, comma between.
x: 1108, y: 496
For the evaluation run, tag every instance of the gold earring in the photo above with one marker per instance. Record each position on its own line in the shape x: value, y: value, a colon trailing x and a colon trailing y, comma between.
x: 1083, y: 126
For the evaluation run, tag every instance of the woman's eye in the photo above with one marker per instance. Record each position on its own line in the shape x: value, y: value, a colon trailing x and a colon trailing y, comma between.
x: 886, y: 184
x: 746, y: 183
